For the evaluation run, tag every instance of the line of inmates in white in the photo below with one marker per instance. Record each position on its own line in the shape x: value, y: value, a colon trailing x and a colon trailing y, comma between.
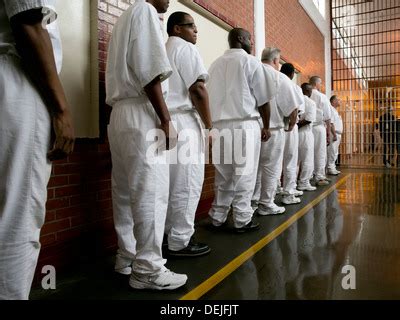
x: 152, y: 87
x: 148, y: 198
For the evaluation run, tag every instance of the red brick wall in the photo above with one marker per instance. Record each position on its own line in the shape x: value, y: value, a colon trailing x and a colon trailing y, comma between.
x: 289, y: 28
x: 79, y: 208
x: 239, y: 13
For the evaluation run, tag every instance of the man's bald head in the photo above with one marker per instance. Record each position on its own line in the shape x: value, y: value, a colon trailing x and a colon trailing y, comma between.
x: 240, y: 38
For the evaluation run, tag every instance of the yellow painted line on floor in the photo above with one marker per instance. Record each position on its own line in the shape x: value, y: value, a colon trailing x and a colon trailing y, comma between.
x: 211, y: 282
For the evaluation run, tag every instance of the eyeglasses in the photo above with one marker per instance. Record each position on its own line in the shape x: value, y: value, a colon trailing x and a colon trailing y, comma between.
x: 191, y: 25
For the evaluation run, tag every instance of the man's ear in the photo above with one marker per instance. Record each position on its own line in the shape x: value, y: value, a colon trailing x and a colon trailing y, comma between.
x: 177, y: 29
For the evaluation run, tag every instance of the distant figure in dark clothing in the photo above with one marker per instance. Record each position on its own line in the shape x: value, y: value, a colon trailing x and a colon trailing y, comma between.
x: 387, y: 129
x: 398, y: 141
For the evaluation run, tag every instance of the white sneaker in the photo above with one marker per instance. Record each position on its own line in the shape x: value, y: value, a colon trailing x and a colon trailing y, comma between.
x: 322, y: 183
x: 298, y: 193
x: 123, y: 265
x: 269, y: 211
x: 166, y: 280
x: 290, y: 200
x: 306, y: 187
x: 333, y: 172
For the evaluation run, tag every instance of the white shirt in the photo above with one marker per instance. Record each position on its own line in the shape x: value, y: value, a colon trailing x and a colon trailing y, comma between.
x: 286, y: 100
x: 10, y: 8
x: 337, y: 120
x: 187, y: 67
x: 301, y: 108
x: 323, y: 106
x: 238, y: 85
x: 310, y: 111
x: 136, y: 55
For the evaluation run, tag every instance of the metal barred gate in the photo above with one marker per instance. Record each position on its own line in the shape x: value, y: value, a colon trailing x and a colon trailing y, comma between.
x: 366, y: 77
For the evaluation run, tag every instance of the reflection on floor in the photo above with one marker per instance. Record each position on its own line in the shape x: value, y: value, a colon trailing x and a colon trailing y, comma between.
x: 357, y: 225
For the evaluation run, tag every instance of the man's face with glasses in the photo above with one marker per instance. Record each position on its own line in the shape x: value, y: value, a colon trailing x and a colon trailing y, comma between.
x: 187, y: 30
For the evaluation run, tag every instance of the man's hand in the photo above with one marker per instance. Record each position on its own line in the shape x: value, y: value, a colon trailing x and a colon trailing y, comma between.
x: 171, y: 136
x: 64, y: 136
x: 334, y: 138
x: 265, y: 134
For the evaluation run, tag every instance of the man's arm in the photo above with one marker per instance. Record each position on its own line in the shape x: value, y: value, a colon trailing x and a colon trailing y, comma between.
x: 333, y: 132
x: 36, y: 51
x: 303, y: 123
x: 199, y: 96
x: 292, y: 120
x: 328, y: 132
x: 265, y: 112
x: 155, y: 95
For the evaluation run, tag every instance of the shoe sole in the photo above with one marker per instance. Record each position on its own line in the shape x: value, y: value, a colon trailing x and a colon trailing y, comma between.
x: 288, y: 204
x: 136, y: 284
x: 270, y: 214
x: 124, y: 272
x: 185, y: 255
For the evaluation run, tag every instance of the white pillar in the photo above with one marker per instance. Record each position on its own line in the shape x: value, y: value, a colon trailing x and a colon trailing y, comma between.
x: 259, y: 27
x: 328, y: 51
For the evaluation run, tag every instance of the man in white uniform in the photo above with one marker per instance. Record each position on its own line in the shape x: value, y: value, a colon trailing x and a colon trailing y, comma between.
x: 136, y: 69
x: 321, y: 130
x: 336, y: 134
x: 32, y: 104
x: 187, y: 100
x: 291, y: 152
x: 306, y: 141
x: 239, y: 92
x: 284, y: 104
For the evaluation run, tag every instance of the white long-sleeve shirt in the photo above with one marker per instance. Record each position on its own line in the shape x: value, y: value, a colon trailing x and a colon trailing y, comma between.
x: 238, y: 85
x: 188, y: 67
x: 136, y: 55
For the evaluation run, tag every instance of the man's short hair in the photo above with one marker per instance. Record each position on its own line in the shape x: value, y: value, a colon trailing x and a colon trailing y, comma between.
x: 175, y: 19
x: 270, y: 54
x: 333, y: 98
x: 288, y: 69
x: 306, y: 86
x: 314, y: 80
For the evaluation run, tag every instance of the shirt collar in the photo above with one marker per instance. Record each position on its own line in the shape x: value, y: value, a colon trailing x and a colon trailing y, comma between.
x: 236, y: 50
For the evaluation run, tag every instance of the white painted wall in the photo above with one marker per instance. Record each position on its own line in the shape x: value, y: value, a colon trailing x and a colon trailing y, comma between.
x: 79, y: 74
x: 323, y: 24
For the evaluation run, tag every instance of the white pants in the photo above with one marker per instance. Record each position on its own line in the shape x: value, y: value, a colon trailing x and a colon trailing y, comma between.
x: 333, y: 152
x: 319, y: 152
x: 270, y: 168
x: 140, y: 183
x: 290, y: 160
x: 235, y: 158
x: 24, y: 173
x: 186, y: 179
x: 306, y: 154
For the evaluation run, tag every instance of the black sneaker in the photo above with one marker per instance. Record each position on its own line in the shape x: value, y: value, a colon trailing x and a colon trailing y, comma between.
x: 194, y: 249
x: 251, y: 226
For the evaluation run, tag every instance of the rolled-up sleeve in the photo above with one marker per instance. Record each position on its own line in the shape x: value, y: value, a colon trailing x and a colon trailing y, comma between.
x: 14, y: 7
x: 190, y: 66
x: 147, y: 54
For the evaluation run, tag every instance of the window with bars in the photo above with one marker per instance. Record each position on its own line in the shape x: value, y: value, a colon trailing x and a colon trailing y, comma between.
x: 366, y: 76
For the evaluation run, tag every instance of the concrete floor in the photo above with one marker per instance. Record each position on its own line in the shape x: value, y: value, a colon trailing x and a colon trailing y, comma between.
x: 353, y: 224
